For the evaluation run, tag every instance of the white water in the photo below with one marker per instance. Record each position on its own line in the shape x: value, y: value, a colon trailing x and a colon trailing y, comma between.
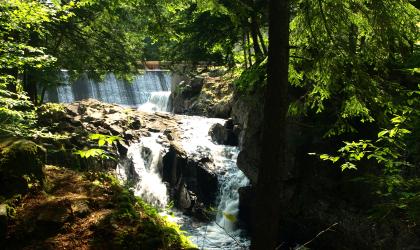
x: 143, y: 167
x: 149, y: 91
x: 158, y: 101
x: 223, y: 233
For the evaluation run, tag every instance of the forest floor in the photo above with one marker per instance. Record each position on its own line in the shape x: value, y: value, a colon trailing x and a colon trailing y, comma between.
x: 84, y: 211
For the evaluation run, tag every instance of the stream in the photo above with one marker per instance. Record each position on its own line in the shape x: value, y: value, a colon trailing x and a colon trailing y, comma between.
x: 142, y: 168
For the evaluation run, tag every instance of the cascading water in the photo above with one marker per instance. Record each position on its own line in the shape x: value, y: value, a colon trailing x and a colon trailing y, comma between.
x: 158, y: 101
x: 223, y: 233
x: 142, y: 167
x: 149, y: 91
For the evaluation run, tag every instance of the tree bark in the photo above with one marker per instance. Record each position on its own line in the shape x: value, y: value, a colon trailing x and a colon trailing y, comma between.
x: 249, y: 49
x: 245, y: 54
x: 264, y: 48
x: 273, y: 156
x: 254, y: 34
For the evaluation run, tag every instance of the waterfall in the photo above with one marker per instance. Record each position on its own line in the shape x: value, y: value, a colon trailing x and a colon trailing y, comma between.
x: 158, y: 101
x: 223, y: 233
x: 149, y: 91
x: 142, y: 168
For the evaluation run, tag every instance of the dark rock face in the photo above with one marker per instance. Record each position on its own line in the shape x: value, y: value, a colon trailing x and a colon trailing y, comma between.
x: 247, y: 113
x: 313, y: 196
x: 193, y: 185
x: 224, y: 134
x: 247, y: 205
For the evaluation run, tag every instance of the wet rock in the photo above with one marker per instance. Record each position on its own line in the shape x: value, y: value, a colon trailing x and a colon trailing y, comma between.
x: 129, y: 134
x: 247, y: 207
x: 184, y: 198
x: 169, y: 134
x: 189, y: 178
x: 154, y: 130
x: 247, y: 115
x: 224, y: 134
x: 218, y: 133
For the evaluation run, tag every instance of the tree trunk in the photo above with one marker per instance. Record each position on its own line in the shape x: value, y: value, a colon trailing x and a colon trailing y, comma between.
x: 273, y: 156
x: 264, y: 48
x: 245, y: 54
x: 254, y: 34
x: 30, y: 85
x: 249, y: 49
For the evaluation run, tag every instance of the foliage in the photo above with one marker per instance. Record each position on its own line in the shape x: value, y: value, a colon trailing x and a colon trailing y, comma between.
x: 103, y: 141
x: 396, y: 151
x: 17, y: 115
x: 139, y: 225
x: 345, y: 56
x: 252, y: 79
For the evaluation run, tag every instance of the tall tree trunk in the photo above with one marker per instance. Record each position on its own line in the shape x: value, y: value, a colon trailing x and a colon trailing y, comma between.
x: 254, y: 34
x: 273, y: 156
x: 30, y: 85
x: 249, y: 49
x: 264, y: 48
x: 245, y: 54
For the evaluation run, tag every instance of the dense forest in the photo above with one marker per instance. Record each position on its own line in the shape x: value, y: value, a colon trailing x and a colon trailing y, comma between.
x: 217, y: 124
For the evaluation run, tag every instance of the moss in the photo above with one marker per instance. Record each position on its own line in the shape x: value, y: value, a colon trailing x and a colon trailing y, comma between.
x: 21, y: 157
x: 135, y: 224
x: 21, y: 163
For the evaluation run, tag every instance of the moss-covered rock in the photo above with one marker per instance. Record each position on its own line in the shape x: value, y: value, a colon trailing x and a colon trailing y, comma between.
x: 21, y: 161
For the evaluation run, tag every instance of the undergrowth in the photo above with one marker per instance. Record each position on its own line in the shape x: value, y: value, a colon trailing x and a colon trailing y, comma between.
x: 135, y: 224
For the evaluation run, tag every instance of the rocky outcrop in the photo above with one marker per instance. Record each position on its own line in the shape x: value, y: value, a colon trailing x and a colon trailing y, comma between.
x: 193, y: 184
x: 191, y: 179
x: 247, y: 113
x: 75, y: 121
x: 314, y: 196
x: 207, y: 94
x: 226, y: 134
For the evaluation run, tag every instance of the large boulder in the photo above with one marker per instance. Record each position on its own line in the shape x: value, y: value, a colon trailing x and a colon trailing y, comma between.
x: 20, y: 162
x: 224, y: 134
x: 193, y: 184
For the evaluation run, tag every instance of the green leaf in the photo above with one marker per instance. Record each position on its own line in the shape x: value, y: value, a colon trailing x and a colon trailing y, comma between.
x: 382, y: 133
x: 101, y: 142
x: 348, y: 165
